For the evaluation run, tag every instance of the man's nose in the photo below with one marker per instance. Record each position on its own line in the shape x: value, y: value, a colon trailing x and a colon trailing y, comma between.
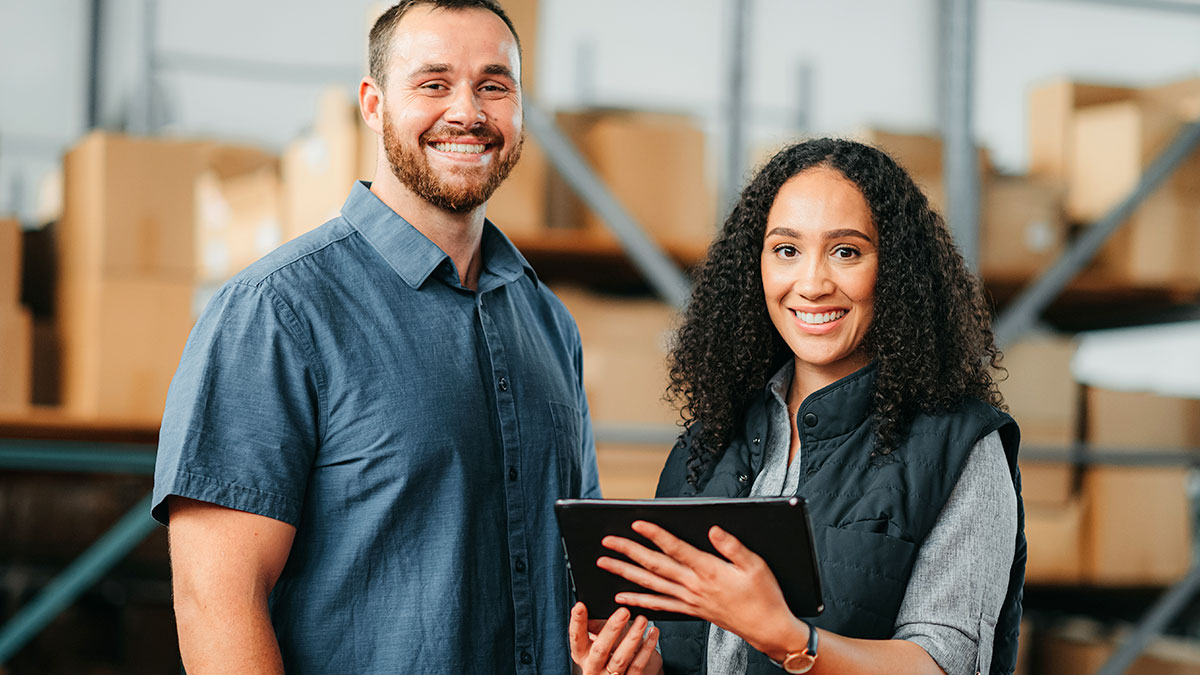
x: 464, y: 109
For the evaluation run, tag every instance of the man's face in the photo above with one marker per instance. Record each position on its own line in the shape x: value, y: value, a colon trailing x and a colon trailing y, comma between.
x: 452, y: 105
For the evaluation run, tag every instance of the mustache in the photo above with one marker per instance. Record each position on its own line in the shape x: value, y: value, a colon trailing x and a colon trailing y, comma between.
x: 486, y: 133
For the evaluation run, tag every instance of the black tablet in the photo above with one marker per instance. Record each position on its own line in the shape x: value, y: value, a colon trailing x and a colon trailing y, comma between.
x: 775, y: 528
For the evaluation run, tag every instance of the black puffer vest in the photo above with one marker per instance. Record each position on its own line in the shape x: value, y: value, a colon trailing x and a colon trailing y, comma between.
x: 870, y: 513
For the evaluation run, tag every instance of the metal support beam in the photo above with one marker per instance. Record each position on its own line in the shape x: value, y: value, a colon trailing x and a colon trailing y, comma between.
x: 76, y: 578
x: 735, y: 104
x: 1023, y: 313
x: 23, y: 455
x: 95, y: 38
x: 662, y: 273
x: 960, y: 161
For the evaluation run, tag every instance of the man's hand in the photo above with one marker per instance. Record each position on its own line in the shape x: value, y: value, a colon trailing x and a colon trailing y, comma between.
x: 224, y: 564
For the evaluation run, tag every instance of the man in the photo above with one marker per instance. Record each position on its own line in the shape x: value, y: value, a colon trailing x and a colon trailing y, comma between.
x: 369, y: 426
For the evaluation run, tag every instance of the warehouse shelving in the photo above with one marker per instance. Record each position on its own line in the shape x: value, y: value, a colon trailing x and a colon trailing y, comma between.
x: 661, y: 268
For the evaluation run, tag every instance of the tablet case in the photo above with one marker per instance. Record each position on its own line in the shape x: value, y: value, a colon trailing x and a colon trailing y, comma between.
x: 776, y: 528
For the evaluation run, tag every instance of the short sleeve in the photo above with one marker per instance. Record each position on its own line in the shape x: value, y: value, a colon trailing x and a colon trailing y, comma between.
x: 240, y: 428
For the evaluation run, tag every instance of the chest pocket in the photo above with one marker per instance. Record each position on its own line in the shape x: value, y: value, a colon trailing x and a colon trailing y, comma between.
x: 864, y: 576
x: 568, y: 449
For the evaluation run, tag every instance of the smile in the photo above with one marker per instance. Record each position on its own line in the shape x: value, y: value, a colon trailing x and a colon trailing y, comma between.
x: 464, y: 148
x: 817, y: 319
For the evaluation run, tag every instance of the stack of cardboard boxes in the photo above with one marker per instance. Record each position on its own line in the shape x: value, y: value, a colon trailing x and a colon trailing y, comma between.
x: 1022, y: 227
x: 128, y: 264
x: 1105, y: 525
x: 1095, y: 141
x: 16, y: 330
x: 625, y: 345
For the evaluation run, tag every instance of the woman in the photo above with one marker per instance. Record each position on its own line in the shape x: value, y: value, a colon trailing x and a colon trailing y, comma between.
x: 835, y: 347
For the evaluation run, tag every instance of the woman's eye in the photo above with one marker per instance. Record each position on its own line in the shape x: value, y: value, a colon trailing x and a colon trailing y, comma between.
x: 845, y: 252
x: 786, y: 251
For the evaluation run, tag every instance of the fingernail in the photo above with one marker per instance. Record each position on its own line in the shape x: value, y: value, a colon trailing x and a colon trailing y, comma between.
x: 621, y: 598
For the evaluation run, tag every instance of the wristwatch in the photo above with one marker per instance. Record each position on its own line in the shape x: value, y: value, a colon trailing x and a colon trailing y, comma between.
x: 802, y: 662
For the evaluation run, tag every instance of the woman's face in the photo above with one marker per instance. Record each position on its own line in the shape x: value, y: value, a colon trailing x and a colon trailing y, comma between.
x: 819, y: 262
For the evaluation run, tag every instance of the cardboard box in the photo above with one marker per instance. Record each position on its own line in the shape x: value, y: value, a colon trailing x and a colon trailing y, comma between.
x: 1023, y: 229
x: 238, y: 220
x: 1182, y: 96
x: 1040, y: 391
x: 1112, y: 146
x: 624, y: 356
x: 1138, y: 528
x: 1047, y: 483
x: 10, y: 262
x: 320, y: 167
x: 1159, y: 246
x: 630, y: 471
x: 1084, y: 646
x: 121, y: 339
x: 920, y: 154
x: 1052, y: 109
x: 1053, y: 533
x: 1133, y: 420
x: 524, y: 16
x: 16, y: 359
x: 518, y: 207
x: 129, y: 204
x: 656, y: 167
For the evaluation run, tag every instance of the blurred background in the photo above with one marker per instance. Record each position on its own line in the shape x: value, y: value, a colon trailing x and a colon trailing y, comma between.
x: 151, y: 149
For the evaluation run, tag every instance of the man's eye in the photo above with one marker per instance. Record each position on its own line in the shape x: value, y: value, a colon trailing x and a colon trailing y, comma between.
x: 493, y: 90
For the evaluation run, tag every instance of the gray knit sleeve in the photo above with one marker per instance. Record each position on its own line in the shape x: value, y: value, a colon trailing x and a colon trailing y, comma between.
x: 960, y: 577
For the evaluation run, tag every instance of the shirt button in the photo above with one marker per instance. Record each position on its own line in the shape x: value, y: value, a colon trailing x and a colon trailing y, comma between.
x: 756, y: 439
x: 810, y: 420
x: 519, y: 565
x: 503, y: 384
x: 526, y: 658
x: 512, y: 473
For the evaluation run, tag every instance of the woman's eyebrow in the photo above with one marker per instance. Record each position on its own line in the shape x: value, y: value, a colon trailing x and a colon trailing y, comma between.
x: 784, y: 232
x: 838, y: 234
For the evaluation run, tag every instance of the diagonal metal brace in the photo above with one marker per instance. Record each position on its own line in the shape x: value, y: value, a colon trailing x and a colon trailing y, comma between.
x: 1023, y: 313
x: 662, y: 273
x: 79, y: 576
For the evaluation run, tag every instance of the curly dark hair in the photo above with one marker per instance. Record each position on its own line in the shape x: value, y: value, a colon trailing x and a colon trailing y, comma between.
x: 930, y: 337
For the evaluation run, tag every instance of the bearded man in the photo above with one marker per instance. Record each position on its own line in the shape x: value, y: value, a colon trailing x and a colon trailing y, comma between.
x: 369, y: 426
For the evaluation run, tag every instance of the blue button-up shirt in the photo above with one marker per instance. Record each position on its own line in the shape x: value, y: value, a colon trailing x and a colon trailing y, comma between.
x: 415, y: 432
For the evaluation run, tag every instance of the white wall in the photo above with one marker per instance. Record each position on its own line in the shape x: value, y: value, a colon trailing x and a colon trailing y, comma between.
x: 872, y: 62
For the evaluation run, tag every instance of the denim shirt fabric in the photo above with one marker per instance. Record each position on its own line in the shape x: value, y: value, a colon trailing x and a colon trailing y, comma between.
x: 416, y: 434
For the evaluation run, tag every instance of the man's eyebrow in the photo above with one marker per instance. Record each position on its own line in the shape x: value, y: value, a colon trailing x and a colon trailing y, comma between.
x: 432, y: 68
x: 499, y: 69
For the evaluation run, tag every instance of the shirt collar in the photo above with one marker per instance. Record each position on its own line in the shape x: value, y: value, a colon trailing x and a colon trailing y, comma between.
x: 413, y: 256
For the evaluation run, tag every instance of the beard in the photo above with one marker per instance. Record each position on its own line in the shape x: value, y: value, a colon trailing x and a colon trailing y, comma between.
x: 411, y: 168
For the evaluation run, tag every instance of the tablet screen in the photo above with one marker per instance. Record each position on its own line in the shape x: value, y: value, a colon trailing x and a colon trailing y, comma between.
x: 775, y: 528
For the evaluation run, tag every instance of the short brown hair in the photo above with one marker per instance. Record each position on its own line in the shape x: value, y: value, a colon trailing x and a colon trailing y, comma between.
x: 385, y: 27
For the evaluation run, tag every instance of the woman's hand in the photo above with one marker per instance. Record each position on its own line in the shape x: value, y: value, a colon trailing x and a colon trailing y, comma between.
x: 739, y: 594
x: 615, y: 646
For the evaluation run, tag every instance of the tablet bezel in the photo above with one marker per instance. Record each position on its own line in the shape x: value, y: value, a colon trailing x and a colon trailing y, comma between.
x: 756, y: 521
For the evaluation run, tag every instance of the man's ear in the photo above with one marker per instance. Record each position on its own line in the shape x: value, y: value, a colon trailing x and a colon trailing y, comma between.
x: 370, y: 104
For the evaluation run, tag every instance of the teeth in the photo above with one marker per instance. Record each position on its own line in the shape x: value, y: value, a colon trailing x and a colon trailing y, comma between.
x: 826, y: 317
x: 474, y: 148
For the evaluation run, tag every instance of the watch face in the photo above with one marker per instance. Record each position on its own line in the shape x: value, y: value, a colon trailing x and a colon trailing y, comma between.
x: 801, y: 662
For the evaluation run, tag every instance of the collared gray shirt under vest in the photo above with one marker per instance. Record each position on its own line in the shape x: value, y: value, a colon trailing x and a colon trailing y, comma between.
x: 960, y: 576
x: 873, y: 515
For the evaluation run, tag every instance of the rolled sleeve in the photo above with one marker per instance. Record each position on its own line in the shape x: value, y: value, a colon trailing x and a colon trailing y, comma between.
x: 961, y: 573
x: 241, y: 420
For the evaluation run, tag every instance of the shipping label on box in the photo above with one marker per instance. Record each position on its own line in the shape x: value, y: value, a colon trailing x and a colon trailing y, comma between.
x: 1023, y: 228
